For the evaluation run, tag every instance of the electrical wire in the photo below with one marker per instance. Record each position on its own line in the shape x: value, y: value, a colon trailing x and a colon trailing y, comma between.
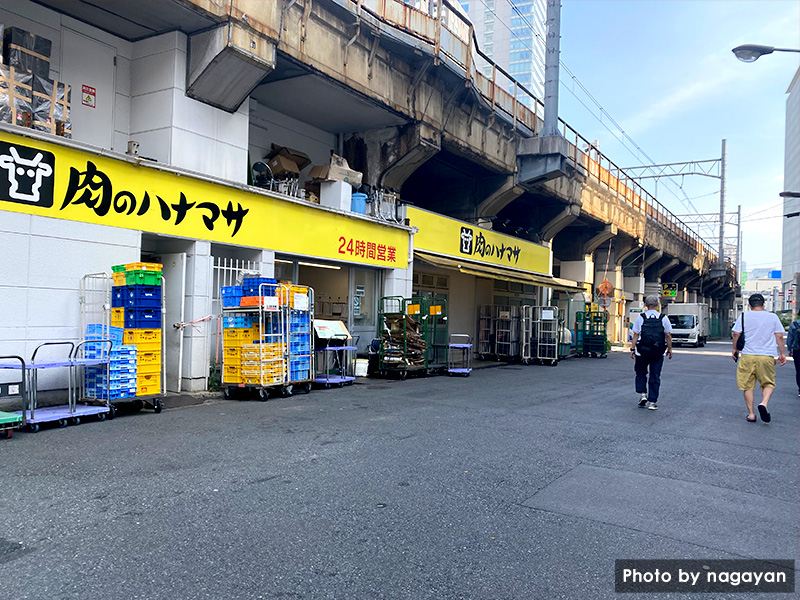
x: 686, y: 200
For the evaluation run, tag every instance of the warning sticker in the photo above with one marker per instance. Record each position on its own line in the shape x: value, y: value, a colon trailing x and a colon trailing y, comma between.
x: 88, y: 96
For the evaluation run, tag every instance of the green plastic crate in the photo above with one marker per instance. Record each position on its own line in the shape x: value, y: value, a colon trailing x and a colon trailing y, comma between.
x: 143, y: 278
x: 118, y: 269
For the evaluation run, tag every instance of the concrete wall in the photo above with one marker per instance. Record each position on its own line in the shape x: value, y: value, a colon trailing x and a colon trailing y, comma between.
x: 40, y: 274
x: 175, y: 129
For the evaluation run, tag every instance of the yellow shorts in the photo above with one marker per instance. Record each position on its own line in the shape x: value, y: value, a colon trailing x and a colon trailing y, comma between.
x: 754, y: 368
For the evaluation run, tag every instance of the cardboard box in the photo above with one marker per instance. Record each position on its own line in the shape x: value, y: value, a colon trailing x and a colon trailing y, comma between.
x: 300, y: 159
x: 282, y: 166
x: 337, y: 170
x: 27, y: 52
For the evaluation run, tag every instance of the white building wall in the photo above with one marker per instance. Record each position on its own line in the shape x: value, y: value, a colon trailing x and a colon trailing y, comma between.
x: 790, y: 263
x: 40, y: 274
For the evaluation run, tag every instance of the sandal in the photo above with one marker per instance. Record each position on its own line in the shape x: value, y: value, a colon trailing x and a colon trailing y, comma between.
x: 753, y: 420
x: 762, y: 410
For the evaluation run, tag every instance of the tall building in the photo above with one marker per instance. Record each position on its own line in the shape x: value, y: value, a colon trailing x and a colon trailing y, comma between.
x: 790, y: 267
x: 512, y: 34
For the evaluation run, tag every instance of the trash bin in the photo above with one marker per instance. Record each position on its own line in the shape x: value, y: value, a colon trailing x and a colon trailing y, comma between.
x: 358, y: 203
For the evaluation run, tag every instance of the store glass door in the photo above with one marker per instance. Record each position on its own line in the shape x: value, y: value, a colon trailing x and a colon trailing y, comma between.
x: 364, y: 285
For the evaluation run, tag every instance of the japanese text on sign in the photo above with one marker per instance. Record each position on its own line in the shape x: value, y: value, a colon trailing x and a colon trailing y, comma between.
x: 94, y: 189
x: 371, y: 250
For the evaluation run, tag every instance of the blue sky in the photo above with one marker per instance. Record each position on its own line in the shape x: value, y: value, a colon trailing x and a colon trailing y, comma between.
x: 664, y: 71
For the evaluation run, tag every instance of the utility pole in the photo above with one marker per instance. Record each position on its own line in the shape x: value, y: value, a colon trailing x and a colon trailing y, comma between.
x: 551, y: 68
x: 722, y: 204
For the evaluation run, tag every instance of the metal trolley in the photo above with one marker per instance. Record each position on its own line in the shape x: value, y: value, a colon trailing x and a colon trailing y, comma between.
x: 298, y: 309
x: 402, y: 348
x: 459, y: 354
x: 335, y: 352
x: 527, y: 341
x: 590, y: 333
x: 433, y: 313
x: 545, y: 328
x: 499, y: 332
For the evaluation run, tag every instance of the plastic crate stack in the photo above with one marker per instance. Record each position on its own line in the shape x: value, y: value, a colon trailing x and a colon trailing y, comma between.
x: 136, y: 306
x: 299, y: 336
x: 248, y: 357
x: 120, y: 379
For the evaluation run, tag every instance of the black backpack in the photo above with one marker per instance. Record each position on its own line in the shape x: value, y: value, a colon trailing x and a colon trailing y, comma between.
x: 652, y: 339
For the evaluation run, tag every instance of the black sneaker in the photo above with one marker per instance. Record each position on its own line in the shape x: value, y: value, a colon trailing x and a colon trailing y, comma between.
x: 643, y: 401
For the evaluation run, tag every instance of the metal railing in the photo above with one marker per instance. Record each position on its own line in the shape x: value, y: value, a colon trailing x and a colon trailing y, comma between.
x: 452, y: 38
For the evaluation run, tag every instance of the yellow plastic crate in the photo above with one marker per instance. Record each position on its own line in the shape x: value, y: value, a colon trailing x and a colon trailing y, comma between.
x: 148, y: 384
x: 119, y: 278
x: 147, y: 347
x: 134, y: 336
x: 231, y: 371
x: 237, y: 336
x: 118, y: 316
x: 148, y: 358
x: 230, y: 378
x: 251, y: 380
x: 143, y: 266
x: 148, y: 369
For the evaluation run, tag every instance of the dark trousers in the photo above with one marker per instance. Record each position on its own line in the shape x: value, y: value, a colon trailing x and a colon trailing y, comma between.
x: 796, y: 357
x: 652, y: 387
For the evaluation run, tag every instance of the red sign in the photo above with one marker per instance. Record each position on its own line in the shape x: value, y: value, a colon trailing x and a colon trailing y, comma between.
x: 88, y: 96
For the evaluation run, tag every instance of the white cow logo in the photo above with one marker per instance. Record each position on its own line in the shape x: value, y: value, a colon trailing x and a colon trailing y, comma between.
x: 466, y: 240
x: 25, y: 173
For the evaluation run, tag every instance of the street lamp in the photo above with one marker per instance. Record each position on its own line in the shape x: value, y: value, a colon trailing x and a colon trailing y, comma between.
x: 752, y: 52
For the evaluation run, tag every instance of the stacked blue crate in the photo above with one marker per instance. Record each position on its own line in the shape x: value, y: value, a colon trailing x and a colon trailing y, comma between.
x: 299, y: 345
x: 252, y: 286
x: 142, y: 306
x: 96, y: 331
x: 231, y: 295
x: 120, y: 379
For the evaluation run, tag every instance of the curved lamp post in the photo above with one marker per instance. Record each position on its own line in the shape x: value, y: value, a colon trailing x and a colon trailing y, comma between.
x: 752, y: 52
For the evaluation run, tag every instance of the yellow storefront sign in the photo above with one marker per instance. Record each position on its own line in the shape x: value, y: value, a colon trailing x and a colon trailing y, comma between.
x: 449, y: 237
x: 50, y: 180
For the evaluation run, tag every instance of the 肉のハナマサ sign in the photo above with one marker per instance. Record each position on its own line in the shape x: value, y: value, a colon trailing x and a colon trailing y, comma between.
x: 449, y: 237
x: 50, y: 180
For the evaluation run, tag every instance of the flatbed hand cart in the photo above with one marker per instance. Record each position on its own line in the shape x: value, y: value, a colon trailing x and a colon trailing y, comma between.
x: 15, y: 388
x: 459, y: 354
x: 32, y: 415
x: 336, y: 354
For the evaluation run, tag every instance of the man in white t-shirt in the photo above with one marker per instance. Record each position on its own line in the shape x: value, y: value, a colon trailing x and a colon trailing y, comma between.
x: 763, y: 342
x: 652, y: 339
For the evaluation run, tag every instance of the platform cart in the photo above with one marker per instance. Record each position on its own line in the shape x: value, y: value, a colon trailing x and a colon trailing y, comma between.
x: 335, y: 354
x: 10, y: 389
x: 459, y: 354
x: 435, y: 333
x: 402, y: 343
x: 298, y: 304
x: 32, y: 415
x: 527, y: 341
x: 545, y: 327
x: 590, y: 331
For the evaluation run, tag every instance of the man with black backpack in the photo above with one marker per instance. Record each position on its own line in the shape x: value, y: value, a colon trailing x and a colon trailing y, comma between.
x: 652, y: 338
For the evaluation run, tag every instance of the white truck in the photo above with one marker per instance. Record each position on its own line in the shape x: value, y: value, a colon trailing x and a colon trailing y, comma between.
x: 689, y: 323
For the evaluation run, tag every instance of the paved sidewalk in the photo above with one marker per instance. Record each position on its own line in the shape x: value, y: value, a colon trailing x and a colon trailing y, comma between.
x: 519, y: 482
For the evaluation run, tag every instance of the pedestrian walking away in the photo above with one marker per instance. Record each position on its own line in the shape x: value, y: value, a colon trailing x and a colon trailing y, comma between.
x: 793, y: 348
x: 763, y: 343
x: 652, y: 339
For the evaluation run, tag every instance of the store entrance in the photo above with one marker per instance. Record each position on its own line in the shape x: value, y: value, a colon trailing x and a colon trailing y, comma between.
x: 341, y: 293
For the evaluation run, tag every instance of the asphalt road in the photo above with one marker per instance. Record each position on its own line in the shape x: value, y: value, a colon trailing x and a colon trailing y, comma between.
x: 521, y: 482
